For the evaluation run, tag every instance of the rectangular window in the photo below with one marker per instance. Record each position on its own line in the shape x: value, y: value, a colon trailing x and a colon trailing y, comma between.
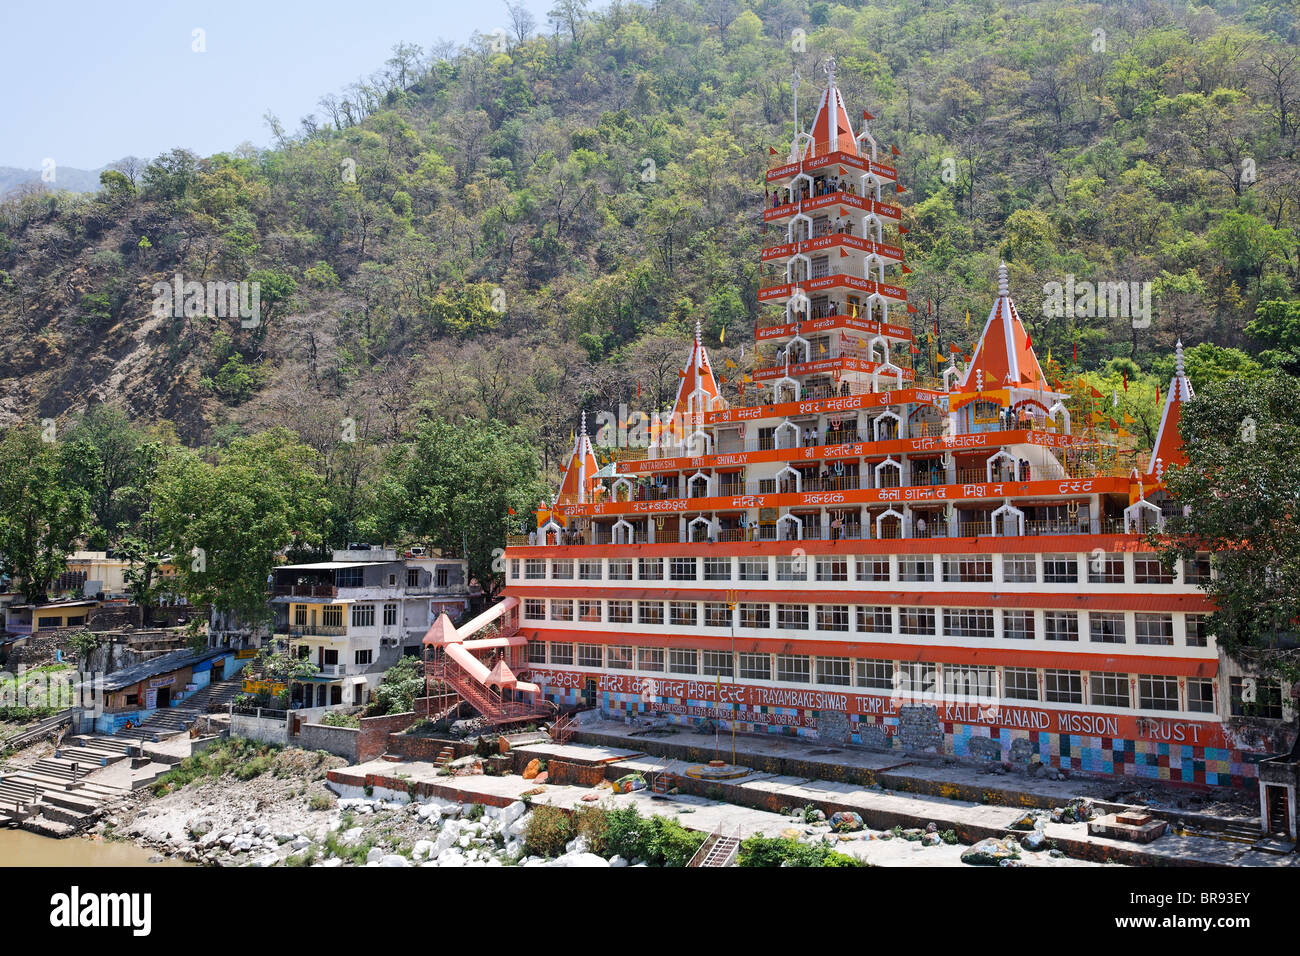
x: 1107, y: 627
x: 683, y: 660
x: 620, y: 570
x: 1196, y: 570
x: 1198, y: 630
x: 717, y: 569
x: 1253, y: 697
x: 589, y: 571
x: 618, y: 657
x: 562, y: 610
x: 650, y: 612
x: 534, y: 609
x: 535, y: 569
x: 917, y: 679
x: 332, y: 615
x: 1108, y: 690
x: 832, y: 569
x: 300, y: 615
x: 590, y: 655
x: 968, y: 622
x: 916, y: 620
x: 1157, y: 692
x: 753, y: 569
x: 682, y: 613
x: 970, y: 682
x: 620, y: 612
x: 1148, y: 570
x: 792, y: 569
x: 832, y: 617
x: 915, y: 569
x: 650, y: 658
x: 514, y: 569
x: 717, y: 663
x: 1063, y: 687
x: 717, y: 614
x: 1018, y: 625
x: 682, y: 569
x: 352, y: 577
x: 537, y: 652
x: 968, y: 569
x: 562, y: 569
x: 650, y: 569
x: 413, y: 577
x: 875, y: 674
x: 1200, y: 695
x: 1020, y: 568
x: 755, y: 615
x: 875, y: 618
x: 1155, y: 629
x: 1060, y: 568
x: 793, y: 668
x: 792, y: 617
x: 390, y: 615
x: 1106, y: 569
x: 1061, y: 625
x: 363, y: 657
x: 443, y: 577
x: 589, y: 611
x: 1020, y: 683
x: 834, y: 670
x: 363, y: 615
x: 755, y: 667
x: 561, y: 653
x: 869, y: 568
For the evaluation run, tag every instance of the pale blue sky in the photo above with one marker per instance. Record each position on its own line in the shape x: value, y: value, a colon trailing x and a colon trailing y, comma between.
x: 86, y: 82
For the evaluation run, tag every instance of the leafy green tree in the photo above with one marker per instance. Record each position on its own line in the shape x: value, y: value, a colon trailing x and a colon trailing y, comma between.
x: 454, y: 485
x: 43, y: 511
x: 1240, y: 489
x: 113, y: 462
x: 228, y: 520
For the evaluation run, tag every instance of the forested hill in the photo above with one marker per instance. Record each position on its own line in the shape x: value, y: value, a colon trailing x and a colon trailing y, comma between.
x: 604, y: 171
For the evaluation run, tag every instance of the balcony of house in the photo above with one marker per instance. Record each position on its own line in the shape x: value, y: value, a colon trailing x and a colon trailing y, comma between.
x: 304, y: 590
x: 328, y: 631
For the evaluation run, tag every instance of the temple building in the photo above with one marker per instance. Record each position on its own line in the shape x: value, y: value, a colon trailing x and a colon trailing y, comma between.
x: 872, y: 544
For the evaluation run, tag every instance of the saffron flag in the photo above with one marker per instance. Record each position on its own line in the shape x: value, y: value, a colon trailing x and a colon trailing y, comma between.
x: 509, y: 509
x: 1029, y: 341
x: 728, y: 363
x: 866, y: 115
x: 722, y: 336
x: 968, y: 318
x: 894, y: 149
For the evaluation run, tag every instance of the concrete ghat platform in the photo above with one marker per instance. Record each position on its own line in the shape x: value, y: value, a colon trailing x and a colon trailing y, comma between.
x: 695, y: 813
x: 752, y: 804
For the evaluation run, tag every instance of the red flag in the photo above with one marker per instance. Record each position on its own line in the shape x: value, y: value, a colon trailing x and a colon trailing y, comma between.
x: 509, y: 509
x: 638, y: 390
x: 910, y: 307
x: 894, y: 149
x: 899, y: 188
x: 843, y: 254
x: 1076, y: 351
x: 915, y: 350
x: 843, y: 171
x: 1126, y: 381
x: 903, y: 230
x: 866, y: 115
x: 1029, y: 341
x: 771, y: 151
x: 1157, y: 394
x: 843, y: 211
x: 906, y: 271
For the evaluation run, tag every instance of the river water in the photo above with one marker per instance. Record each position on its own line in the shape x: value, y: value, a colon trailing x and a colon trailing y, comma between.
x: 20, y: 848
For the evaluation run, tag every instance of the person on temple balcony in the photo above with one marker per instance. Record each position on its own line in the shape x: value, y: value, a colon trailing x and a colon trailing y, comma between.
x: 532, y: 537
x: 920, y: 526
x: 836, y: 526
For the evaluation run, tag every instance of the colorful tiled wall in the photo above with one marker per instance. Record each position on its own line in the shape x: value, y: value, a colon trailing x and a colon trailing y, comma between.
x: 1142, y: 759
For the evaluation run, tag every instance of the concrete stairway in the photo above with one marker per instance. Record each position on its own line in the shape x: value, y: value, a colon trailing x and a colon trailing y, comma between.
x: 177, y: 719
x: 64, y: 795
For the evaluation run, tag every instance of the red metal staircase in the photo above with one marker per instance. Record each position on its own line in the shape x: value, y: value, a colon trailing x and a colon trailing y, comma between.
x: 488, y: 701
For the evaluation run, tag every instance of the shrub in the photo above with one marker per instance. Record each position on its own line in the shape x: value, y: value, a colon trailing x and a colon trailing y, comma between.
x: 778, y: 851
x: 657, y: 840
x: 319, y: 802
x: 339, y: 719
x: 549, y: 829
